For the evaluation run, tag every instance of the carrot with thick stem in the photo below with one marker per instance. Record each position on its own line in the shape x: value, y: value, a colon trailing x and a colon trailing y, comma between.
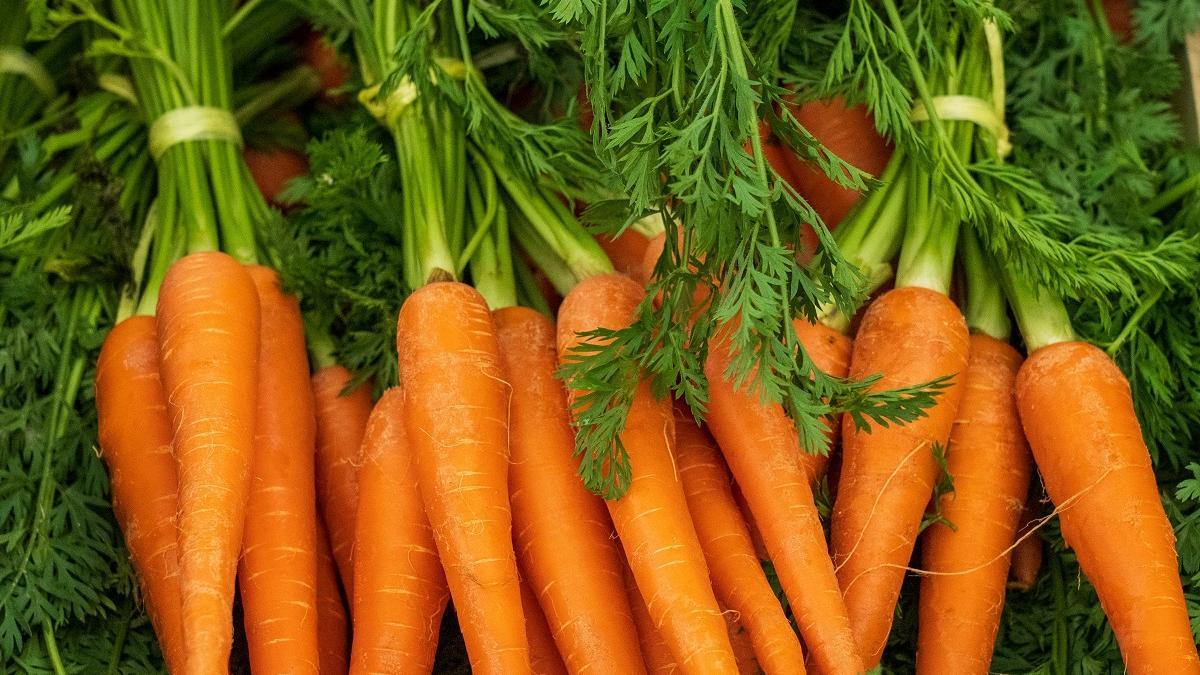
x: 1078, y: 415
x: 544, y: 658
x: 456, y: 415
x: 652, y: 518
x: 737, y: 574
x: 400, y: 588
x: 208, y: 334
x: 341, y: 420
x: 574, y: 572
x: 135, y: 443
x: 278, y: 571
x: 333, y: 621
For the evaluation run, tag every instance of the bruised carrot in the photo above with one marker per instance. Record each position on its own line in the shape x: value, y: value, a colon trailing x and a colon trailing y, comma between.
x: 962, y: 597
x: 657, y: 655
x: 456, y: 415
x: 341, y: 420
x: 763, y: 451
x: 1078, y: 415
x: 737, y: 574
x: 135, y: 443
x: 652, y: 518
x: 278, y: 571
x: 829, y: 350
x: 208, y: 335
x: 1027, y: 556
x: 910, y: 335
x: 574, y: 572
x: 333, y: 624
x: 543, y: 654
x: 400, y: 588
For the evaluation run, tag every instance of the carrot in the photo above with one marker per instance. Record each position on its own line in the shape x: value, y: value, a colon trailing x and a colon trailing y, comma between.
x: 543, y: 654
x: 135, y: 443
x: 456, y: 414
x: 341, y: 421
x: 961, y: 601
x: 626, y: 250
x: 272, y: 169
x: 652, y: 518
x: 1119, y: 16
x: 911, y: 335
x: 575, y: 572
x: 208, y: 335
x: 278, y: 570
x: 829, y: 350
x: 742, y: 643
x: 400, y: 588
x: 736, y: 572
x: 657, y: 655
x: 333, y: 623
x: 781, y: 159
x: 763, y: 451
x: 1027, y: 556
x: 321, y: 54
x: 1078, y: 415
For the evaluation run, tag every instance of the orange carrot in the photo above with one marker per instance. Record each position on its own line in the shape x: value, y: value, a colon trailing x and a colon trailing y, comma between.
x: 456, y: 415
x: 208, y: 334
x: 1079, y: 418
x: 543, y: 654
x: 277, y: 575
x: 736, y: 572
x: 333, y: 622
x: 272, y: 169
x: 657, y: 655
x: 626, y: 250
x: 400, y: 588
x: 135, y: 443
x: 910, y: 335
x: 742, y: 643
x: 575, y: 572
x: 961, y: 601
x: 652, y: 517
x: 763, y: 451
x: 830, y: 353
x: 340, y: 424
x: 1027, y: 556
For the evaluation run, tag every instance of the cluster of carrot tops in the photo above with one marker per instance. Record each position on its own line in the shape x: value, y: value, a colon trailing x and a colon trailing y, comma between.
x: 274, y: 501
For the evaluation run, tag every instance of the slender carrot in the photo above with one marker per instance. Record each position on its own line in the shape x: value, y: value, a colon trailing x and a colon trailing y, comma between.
x: 340, y: 424
x: 742, y: 643
x: 652, y: 517
x: 208, y: 334
x: 400, y: 588
x: 657, y: 655
x: 829, y: 350
x: 762, y: 449
x: 277, y: 576
x: 910, y: 335
x: 575, y: 572
x: 1078, y: 414
x: 456, y: 415
x: 333, y: 621
x: 1027, y: 556
x: 736, y: 572
x: 135, y: 443
x: 961, y: 600
x: 543, y: 654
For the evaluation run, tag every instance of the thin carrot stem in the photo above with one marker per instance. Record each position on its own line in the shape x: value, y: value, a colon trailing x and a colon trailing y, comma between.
x: 985, y: 307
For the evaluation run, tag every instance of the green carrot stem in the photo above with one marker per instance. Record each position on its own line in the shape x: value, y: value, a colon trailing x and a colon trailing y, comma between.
x: 1041, y: 316
x: 985, y: 310
x: 529, y: 293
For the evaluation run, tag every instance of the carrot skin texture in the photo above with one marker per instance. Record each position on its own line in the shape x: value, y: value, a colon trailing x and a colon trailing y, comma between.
x: 761, y: 446
x: 652, y: 518
x: 456, y: 414
x: 277, y: 575
x: 1078, y: 415
x: 135, y: 443
x: 341, y: 421
x: 1027, y: 556
x: 543, y: 654
x: 742, y: 643
x: 830, y: 353
x: 990, y: 462
x: 208, y: 333
x: 400, y: 588
x: 626, y: 250
x: 574, y: 572
x: 909, y: 335
x: 333, y: 621
x: 737, y: 574
x: 657, y: 655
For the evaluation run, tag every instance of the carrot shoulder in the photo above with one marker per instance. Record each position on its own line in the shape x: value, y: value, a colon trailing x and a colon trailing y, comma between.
x: 737, y: 574
x: 760, y: 444
x: 1079, y: 418
x: 456, y: 415
x: 208, y: 334
x: 135, y: 443
x: 340, y: 424
x: 652, y: 517
x: 961, y: 601
x: 278, y: 571
x: 400, y: 588
x: 575, y: 572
